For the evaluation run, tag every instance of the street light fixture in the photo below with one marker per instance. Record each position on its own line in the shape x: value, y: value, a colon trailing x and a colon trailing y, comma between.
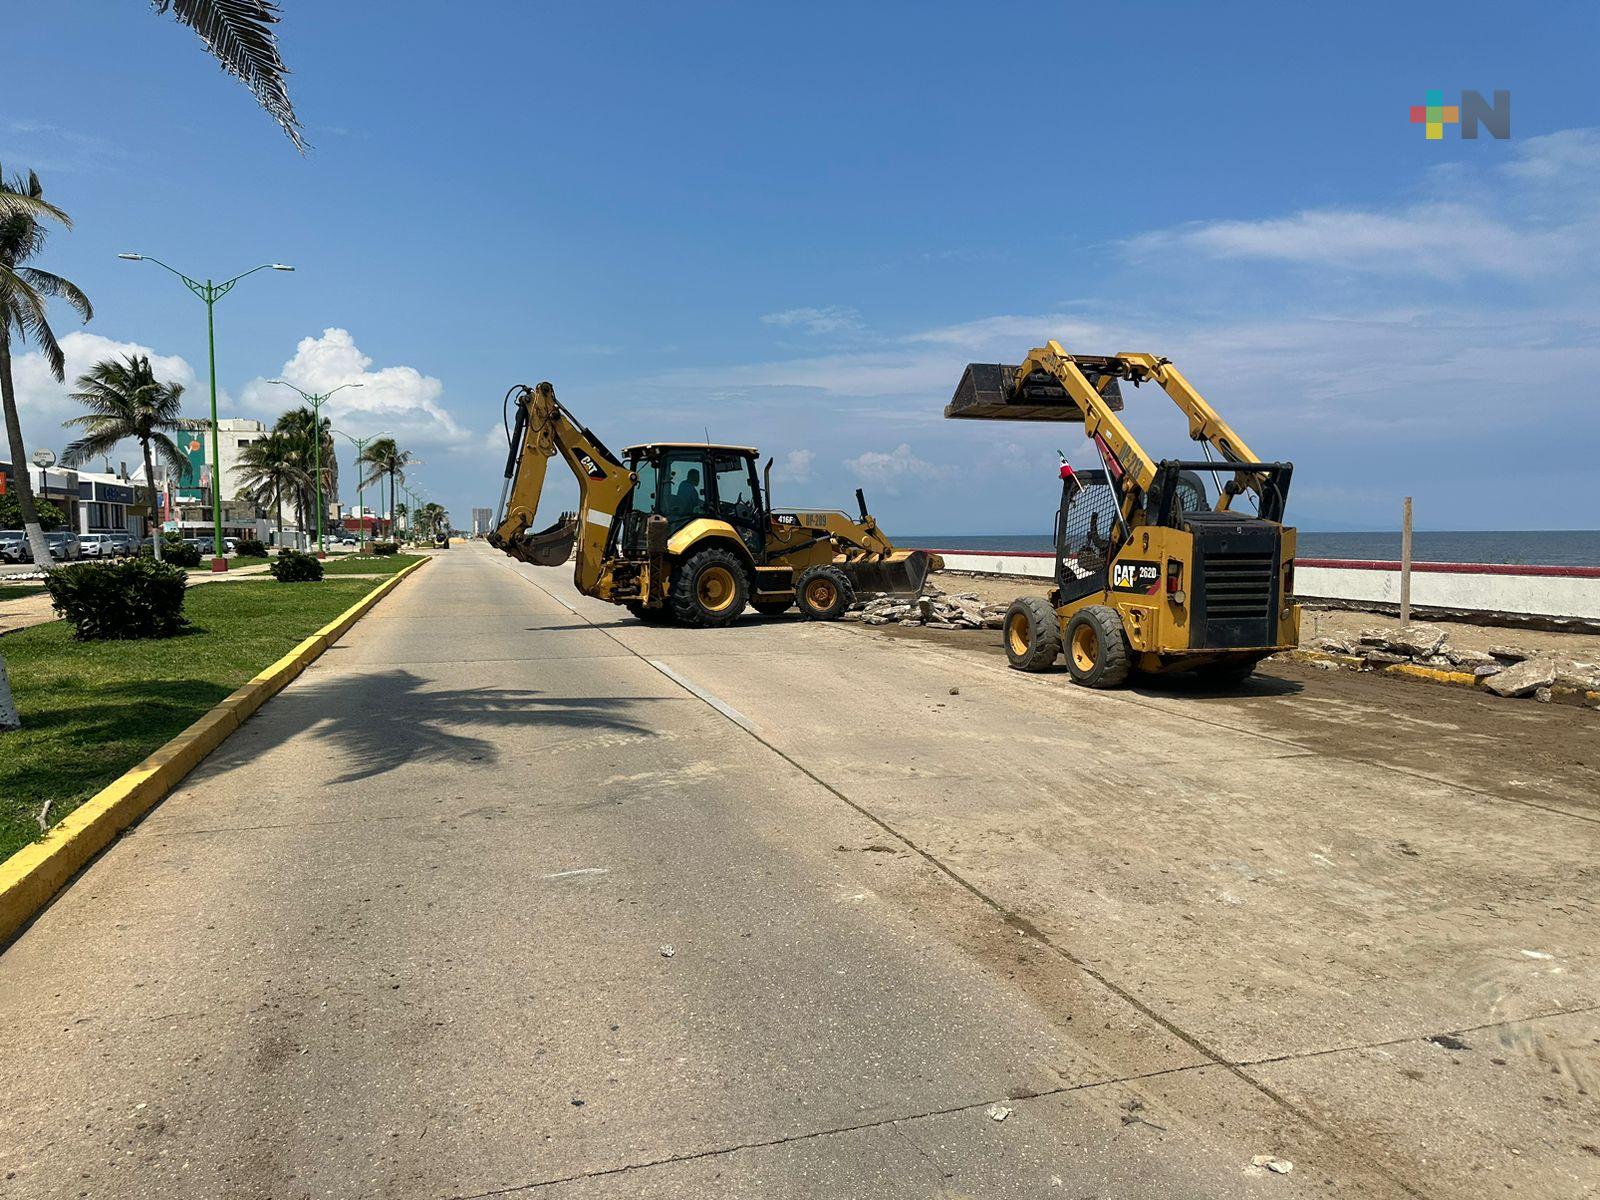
x: 316, y: 401
x: 211, y: 292
x: 361, y: 502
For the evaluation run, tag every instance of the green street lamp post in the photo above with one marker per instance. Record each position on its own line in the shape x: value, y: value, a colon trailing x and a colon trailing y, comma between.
x: 316, y: 400
x: 211, y: 293
x: 361, y: 496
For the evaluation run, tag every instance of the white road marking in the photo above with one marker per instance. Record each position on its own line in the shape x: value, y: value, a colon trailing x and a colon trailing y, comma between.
x: 578, y: 871
x: 727, y: 710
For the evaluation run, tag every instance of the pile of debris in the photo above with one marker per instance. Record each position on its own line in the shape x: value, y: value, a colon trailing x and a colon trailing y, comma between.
x: 1503, y: 670
x: 934, y: 609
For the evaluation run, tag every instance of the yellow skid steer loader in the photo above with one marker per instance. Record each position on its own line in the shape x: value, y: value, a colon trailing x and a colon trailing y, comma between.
x: 1150, y: 574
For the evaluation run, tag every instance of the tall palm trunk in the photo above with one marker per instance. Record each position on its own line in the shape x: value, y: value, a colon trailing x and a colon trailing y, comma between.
x: 19, y: 459
x: 393, y: 529
x: 150, y: 486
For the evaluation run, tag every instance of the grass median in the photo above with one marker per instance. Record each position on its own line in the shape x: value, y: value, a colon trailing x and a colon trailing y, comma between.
x: 16, y: 591
x: 91, y: 710
x: 369, y: 564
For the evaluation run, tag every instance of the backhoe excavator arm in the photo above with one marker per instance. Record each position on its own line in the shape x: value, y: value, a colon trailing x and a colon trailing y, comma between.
x: 543, y: 429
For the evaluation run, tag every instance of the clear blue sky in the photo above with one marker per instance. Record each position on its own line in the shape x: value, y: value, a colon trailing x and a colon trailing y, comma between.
x: 793, y: 225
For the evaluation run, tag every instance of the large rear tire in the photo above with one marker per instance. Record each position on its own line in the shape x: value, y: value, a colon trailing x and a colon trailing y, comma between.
x: 1097, y: 648
x: 824, y: 593
x: 1032, y: 634
x: 709, y: 588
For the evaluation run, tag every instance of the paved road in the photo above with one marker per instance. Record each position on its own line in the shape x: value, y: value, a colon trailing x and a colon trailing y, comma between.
x: 510, y: 895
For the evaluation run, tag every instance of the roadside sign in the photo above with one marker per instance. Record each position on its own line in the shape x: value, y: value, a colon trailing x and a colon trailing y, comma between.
x: 44, y: 458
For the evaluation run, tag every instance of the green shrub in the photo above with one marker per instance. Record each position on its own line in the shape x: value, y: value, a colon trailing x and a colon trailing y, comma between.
x: 386, y: 547
x: 252, y: 548
x: 295, y: 566
x: 134, y: 598
x: 175, y: 550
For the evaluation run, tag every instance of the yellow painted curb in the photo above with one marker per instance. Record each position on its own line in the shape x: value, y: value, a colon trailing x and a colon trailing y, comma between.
x: 1408, y: 670
x: 31, y: 876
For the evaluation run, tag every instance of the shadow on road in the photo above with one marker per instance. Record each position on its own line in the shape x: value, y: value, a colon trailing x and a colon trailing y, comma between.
x: 382, y: 720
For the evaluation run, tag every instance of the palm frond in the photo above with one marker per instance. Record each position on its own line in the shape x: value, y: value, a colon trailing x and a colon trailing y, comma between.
x: 238, y: 34
x: 47, y: 283
x: 32, y: 208
x: 167, y: 452
x: 97, y: 444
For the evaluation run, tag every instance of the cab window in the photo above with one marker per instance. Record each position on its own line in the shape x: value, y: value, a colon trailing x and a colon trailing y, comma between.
x: 644, y: 491
x: 736, y: 488
x: 685, y: 492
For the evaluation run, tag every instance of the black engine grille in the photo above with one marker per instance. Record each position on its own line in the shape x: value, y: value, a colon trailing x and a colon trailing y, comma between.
x: 1238, y: 586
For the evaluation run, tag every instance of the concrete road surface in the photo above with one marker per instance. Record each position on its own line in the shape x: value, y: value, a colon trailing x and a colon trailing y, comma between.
x: 510, y: 895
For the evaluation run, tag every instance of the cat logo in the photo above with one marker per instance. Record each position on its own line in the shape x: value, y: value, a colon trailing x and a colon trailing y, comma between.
x: 592, y: 468
x: 1133, y: 576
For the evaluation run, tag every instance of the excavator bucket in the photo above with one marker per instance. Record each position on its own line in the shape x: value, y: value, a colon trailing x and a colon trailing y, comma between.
x: 900, y: 574
x: 550, y: 547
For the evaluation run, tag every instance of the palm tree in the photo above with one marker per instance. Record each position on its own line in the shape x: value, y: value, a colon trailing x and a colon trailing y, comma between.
x: 297, y: 426
x: 126, y: 400
x: 238, y: 33
x: 269, y: 468
x: 24, y: 294
x: 383, y: 457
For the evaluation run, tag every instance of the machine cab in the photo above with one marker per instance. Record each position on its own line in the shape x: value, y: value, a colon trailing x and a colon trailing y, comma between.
x: 684, y: 482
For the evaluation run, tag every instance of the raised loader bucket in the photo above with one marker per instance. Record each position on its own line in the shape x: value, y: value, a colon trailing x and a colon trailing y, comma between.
x: 901, y: 574
x: 549, y: 548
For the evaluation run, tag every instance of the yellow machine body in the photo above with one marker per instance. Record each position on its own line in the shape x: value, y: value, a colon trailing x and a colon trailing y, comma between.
x: 698, y: 549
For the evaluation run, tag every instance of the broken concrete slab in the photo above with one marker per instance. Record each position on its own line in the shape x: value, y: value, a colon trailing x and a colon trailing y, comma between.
x: 1522, y: 678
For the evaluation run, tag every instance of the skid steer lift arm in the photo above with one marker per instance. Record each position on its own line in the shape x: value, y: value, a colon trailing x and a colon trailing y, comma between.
x: 1100, y: 419
x: 543, y: 429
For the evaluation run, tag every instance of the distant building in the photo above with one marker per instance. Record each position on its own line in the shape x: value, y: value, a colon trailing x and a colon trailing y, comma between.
x: 482, y: 521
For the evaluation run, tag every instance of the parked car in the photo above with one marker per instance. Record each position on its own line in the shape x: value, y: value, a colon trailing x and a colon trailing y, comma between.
x: 97, y: 545
x: 127, y: 545
x: 63, y: 545
x: 14, y: 546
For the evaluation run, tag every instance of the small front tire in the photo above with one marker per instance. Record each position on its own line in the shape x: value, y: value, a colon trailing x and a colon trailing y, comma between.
x: 1032, y: 634
x: 1097, y: 648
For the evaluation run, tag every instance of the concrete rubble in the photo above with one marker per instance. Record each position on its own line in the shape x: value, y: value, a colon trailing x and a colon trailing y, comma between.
x: 935, y: 609
x: 1503, y: 670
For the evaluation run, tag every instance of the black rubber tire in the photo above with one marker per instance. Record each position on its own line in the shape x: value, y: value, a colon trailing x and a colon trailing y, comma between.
x: 686, y: 600
x: 1226, y: 675
x: 1032, y: 634
x: 771, y: 608
x: 823, y: 603
x: 1100, y: 628
x: 661, y: 615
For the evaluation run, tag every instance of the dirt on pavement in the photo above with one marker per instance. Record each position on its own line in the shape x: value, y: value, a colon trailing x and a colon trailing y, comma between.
x: 1545, y: 755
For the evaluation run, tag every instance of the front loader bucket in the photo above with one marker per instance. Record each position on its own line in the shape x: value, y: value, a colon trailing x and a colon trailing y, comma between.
x: 549, y: 548
x: 901, y: 574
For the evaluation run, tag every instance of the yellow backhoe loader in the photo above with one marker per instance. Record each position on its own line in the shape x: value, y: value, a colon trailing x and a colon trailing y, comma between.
x: 1150, y: 575
x: 686, y: 532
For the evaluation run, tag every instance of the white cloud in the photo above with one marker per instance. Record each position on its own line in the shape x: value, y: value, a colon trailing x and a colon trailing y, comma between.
x: 898, y: 468
x: 816, y: 320
x: 398, y: 399
x: 794, y: 466
x: 1535, y: 216
x: 42, y: 403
